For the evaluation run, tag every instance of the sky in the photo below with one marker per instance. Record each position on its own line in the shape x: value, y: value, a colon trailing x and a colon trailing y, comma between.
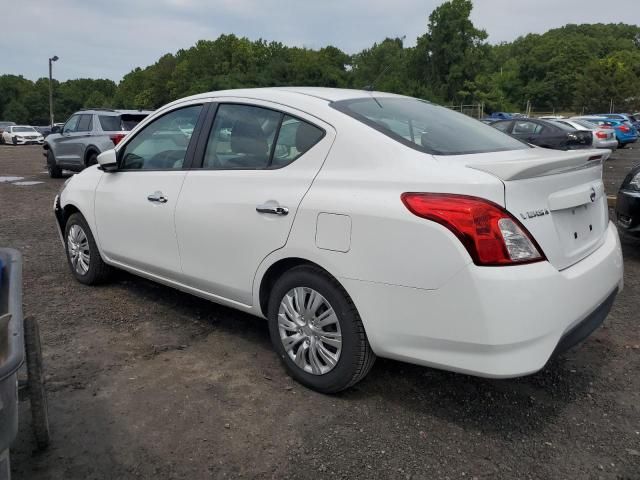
x: 107, y: 39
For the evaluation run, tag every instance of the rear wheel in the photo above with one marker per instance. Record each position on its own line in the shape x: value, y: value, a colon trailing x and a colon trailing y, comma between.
x: 52, y: 168
x: 83, y: 256
x: 317, y: 332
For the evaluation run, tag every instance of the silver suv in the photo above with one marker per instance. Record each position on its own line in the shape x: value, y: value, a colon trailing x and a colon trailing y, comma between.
x: 85, y: 135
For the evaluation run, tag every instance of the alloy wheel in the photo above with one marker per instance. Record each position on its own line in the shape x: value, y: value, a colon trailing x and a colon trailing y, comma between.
x: 309, y: 330
x: 78, y: 248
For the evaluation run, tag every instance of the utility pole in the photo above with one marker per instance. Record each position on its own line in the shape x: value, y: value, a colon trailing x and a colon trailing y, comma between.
x: 51, y: 60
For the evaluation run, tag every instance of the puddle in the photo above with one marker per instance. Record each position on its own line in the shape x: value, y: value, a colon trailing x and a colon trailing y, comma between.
x: 26, y: 184
x: 10, y: 179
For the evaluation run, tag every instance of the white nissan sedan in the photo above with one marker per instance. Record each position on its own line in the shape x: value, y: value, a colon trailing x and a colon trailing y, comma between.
x: 359, y: 224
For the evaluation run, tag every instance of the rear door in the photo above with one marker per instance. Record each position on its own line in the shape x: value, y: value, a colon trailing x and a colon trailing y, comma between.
x: 257, y: 162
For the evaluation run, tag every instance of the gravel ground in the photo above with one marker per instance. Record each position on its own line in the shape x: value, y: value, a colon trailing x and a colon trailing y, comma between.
x: 148, y: 382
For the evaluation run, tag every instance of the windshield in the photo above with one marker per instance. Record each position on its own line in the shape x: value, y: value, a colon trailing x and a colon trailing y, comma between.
x: 23, y: 130
x: 426, y: 127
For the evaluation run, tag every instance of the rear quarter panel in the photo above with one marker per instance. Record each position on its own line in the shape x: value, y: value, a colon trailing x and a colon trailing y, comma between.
x: 364, y: 179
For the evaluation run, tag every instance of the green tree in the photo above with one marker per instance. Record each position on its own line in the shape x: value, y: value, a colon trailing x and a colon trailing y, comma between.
x: 16, y: 112
x: 452, y: 50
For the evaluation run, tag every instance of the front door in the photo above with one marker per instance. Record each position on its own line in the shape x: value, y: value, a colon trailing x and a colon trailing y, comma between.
x: 64, y: 149
x: 257, y: 165
x: 135, y: 206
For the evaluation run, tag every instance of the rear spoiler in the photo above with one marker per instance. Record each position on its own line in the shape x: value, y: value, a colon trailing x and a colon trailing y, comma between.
x: 558, y: 162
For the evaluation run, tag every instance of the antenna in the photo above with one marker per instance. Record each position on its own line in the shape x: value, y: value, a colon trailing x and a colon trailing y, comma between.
x: 373, y: 85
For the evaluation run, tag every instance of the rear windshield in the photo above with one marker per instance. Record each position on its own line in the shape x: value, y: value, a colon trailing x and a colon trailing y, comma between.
x: 118, y: 123
x: 562, y: 125
x: 426, y: 127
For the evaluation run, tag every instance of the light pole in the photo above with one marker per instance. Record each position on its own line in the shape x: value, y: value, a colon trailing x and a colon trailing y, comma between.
x: 51, y: 60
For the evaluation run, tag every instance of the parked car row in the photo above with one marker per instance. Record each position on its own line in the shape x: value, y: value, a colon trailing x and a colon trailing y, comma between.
x: 354, y: 221
x: 546, y: 133
x: 609, y: 131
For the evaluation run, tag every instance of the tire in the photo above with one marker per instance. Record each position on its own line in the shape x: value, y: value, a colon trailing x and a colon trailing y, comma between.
x: 1, y: 139
x: 36, y: 383
x: 622, y: 145
x: 54, y: 170
x: 92, y: 159
x: 354, y: 358
x: 79, y: 243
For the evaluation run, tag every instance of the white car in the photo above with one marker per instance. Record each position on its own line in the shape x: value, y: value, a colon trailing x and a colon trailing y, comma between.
x: 603, y: 137
x: 359, y: 224
x: 22, y: 135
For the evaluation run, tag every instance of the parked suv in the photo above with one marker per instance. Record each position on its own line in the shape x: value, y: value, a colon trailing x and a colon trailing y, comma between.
x: 85, y: 135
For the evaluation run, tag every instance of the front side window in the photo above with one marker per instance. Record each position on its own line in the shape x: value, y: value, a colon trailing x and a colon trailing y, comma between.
x: 71, y: 125
x: 162, y: 144
x: 85, y: 123
x: 426, y: 127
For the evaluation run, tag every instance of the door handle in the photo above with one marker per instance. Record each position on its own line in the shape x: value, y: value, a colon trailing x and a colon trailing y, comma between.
x: 157, y: 197
x: 272, y: 208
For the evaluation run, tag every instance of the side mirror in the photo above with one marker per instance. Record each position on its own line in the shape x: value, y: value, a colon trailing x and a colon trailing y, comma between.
x: 108, y: 161
x: 56, y: 129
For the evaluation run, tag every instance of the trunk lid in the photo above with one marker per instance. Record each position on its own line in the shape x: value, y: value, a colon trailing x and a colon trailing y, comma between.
x: 558, y: 196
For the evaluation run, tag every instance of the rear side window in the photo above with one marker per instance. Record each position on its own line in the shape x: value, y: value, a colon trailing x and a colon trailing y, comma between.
x: 502, y: 126
x: 245, y: 137
x: 527, y: 128
x: 110, y: 123
x: 426, y: 127
x: 294, y: 139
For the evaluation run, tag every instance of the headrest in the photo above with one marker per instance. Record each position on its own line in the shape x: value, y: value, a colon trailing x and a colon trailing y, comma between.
x: 248, y: 138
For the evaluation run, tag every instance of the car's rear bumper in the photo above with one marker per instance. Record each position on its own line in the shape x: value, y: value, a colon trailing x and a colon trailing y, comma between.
x: 610, y: 144
x: 628, y: 211
x: 491, y: 321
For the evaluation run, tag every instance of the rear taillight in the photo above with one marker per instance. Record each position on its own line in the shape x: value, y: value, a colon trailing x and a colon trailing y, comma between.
x: 117, y: 138
x: 491, y: 235
x: 624, y: 128
x: 602, y: 135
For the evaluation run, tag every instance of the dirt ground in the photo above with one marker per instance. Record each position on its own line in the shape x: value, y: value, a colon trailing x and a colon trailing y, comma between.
x: 147, y: 382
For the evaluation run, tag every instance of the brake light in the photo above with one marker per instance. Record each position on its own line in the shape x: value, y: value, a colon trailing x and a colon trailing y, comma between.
x: 602, y: 135
x: 491, y: 235
x: 624, y: 128
x: 117, y: 138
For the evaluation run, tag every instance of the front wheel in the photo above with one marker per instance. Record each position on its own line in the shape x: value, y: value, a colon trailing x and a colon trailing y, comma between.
x: 52, y: 168
x: 317, y: 332
x: 83, y: 256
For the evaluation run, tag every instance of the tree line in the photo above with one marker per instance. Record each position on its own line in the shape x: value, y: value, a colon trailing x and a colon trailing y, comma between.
x: 581, y: 68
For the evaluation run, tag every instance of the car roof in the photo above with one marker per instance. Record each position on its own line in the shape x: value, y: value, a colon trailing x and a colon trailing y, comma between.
x: 291, y: 95
x: 113, y: 112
